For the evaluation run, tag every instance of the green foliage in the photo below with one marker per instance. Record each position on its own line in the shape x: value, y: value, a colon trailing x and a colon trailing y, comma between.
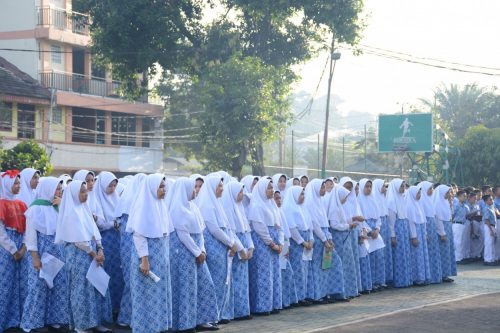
x: 240, y: 104
x: 480, y: 148
x: 26, y: 154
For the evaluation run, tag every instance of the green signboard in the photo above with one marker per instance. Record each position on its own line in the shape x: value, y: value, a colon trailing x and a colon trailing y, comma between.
x: 405, y: 132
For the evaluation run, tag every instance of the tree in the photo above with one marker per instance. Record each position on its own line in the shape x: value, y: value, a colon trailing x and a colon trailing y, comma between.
x: 458, y: 108
x: 26, y: 154
x: 242, y: 103
x: 480, y: 150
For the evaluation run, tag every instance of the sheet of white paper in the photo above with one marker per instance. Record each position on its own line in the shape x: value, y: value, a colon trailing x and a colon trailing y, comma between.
x: 375, y: 244
x: 229, y: 268
x: 98, y: 277
x: 284, y: 255
x: 153, y: 276
x: 50, y: 268
x: 307, y: 255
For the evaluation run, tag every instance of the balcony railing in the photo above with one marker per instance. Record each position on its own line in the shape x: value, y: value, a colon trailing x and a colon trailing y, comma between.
x: 63, y: 20
x: 80, y: 84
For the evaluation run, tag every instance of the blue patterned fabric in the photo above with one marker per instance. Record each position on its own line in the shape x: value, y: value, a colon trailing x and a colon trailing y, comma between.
x: 320, y: 276
x: 151, y: 301
x: 13, y: 276
x: 401, y: 255
x: 435, y: 271
x: 335, y: 283
x: 265, y: 276
x: 112, y: 265
x: 421, y: 271
x: 126, y: 243
x: 355, y: 251
x: 366, y: 273
x: 377, y: 259
x: 447, y: 251
x: 240, y: 282
x: 289, y: 296
x: 88, y: 308
x: 343, y: 246
x: 190, y: 298
x: 44, y: 306
x: 299, y: 266
x: 217, y: 265
x: 385, y: 231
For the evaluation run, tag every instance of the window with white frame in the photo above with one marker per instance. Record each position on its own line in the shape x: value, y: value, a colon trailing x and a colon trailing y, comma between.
x: 56, y: 54
x: 57, y: 115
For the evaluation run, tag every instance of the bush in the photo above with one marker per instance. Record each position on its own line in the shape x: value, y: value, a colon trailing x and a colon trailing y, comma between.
x: 27, y: 154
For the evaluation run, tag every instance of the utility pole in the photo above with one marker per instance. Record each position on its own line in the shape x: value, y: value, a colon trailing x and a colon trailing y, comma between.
x: 343, y: 154
x: 319, y: 175
x: 292, y: 154
x: 334, y: 56
x: 365, y: 148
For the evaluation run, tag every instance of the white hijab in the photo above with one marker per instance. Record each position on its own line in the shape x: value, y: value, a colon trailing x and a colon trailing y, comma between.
x: 95, y: 208
x: 44, y: 218
x: 427, y: 201
x: 107, y: 202
x: 211, y: 206
x: 234, y: 210
x: 293, y: 211
x: 184, y: 218
x: 441, y: 204
x: 351, y: 206
x: 414, y: 210
x: 367, y: 203
x: 380, y: 198
x: 276, y: 179
x: 396, y: 200
x: 128, y: 195
x: 27, y: 194
x: 313, y: 204
x: 149, y: 215
x: 261, y: 208
x: 7, y: 183
x: 335, y: 210
x: 75, y: 222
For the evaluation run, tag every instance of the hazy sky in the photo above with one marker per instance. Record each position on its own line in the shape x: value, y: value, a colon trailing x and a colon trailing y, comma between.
x: 460, y: 31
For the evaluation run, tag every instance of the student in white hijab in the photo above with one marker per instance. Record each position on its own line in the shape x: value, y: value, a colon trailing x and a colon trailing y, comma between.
x: 77, y: 230
x: 426, y: 202
x: 221, y: 245
x: 301, y: 233
x: 400, y: 233
x: 265, y: 280
x: 342, y: 228
x: 29, y: 181
x: 327, y: 281
x: 442, y: 208
x: 149, y: 222
x: 122, y: 211
x: 288, y: 290
x: 353, y: 212
x: 379, y: 191
x: 89, y: 178
x: 194, y: 300
x: 238, y: 223
x: 13, y: 261
x: 372, y: 211
x: 107, y: 198
x: 249, y: 181
x: 44, y: 305
x: 418, y: 235
x: 66, y: 180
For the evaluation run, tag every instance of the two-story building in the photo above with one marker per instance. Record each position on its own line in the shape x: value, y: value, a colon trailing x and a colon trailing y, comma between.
x: 84, y: 123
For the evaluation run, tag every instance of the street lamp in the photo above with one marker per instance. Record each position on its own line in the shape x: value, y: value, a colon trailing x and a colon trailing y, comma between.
x: 333, y: 60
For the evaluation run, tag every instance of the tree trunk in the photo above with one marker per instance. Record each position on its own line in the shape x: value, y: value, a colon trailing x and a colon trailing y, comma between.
x: 238, y: 162
x: 258, y: 159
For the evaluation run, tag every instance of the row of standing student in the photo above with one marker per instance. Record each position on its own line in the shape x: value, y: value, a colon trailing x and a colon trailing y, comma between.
x: 223, y: 254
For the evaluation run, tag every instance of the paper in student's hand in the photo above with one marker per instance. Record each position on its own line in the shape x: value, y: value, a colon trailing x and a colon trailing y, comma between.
x: 283, y: 257
x: 307, y: 255
x: 98, y: 277
x: 50, y: 268
x: 375, y: 244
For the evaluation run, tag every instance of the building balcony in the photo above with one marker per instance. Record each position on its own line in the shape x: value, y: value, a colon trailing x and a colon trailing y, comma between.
x: 63, y: 20
x: 78, y: 83
x: 63, y: 26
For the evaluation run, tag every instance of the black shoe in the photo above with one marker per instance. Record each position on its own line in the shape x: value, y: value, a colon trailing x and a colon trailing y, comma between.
x: 365, y: 292
x: 244, y: 318
x: 275, y: 311
x: 447, y: 280
x: 206, y: 327
x: 262, y: 313
x: 305, y: 303
x: 343, y: 300
x: 60, y: 329
x: 108, y: 330
x: 295, y: 305
x: 223, y: 321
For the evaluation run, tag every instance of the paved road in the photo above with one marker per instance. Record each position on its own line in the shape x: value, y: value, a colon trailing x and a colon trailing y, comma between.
x: 474, y: 279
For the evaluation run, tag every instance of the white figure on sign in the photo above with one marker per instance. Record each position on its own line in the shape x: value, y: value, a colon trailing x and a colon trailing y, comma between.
x: 406, y: 126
